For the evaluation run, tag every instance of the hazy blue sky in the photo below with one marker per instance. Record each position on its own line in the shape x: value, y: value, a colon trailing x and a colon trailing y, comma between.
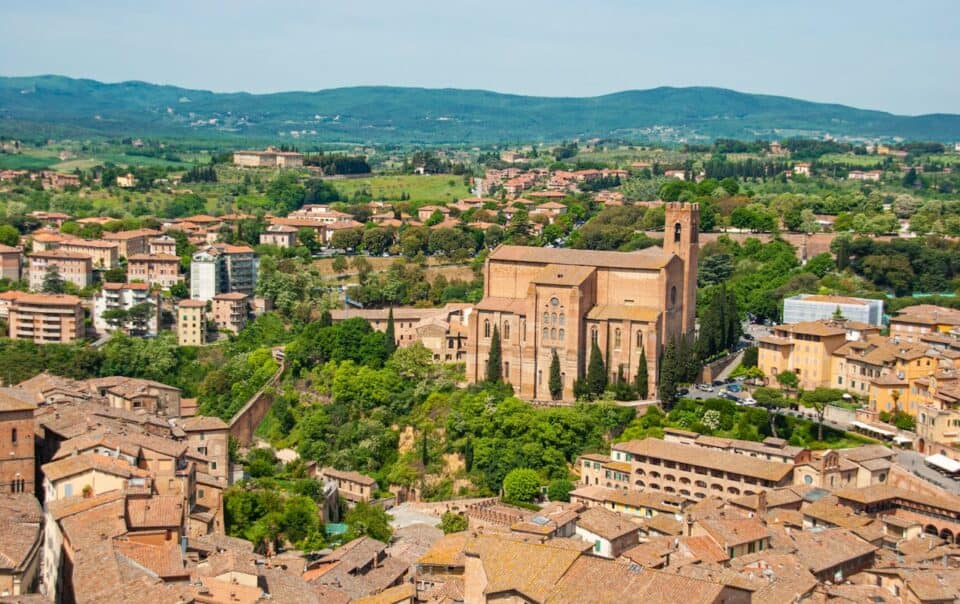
x: 879, y: 54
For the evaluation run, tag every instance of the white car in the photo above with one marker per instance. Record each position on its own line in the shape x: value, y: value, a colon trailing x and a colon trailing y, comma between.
x: 748, y: 400
x: 705, y: 387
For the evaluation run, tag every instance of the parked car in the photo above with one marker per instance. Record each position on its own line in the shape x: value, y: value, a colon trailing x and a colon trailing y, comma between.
x: 683, y: 391
x: 730, y: 396
x: 748, y: 400
x: 734, y: 388
x: 705, y: 387
x: 718, y: 383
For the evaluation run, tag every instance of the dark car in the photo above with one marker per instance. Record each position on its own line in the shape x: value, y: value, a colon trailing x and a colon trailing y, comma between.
x: 718, y: 382
x: 683, y: 391
x: 730, y: 396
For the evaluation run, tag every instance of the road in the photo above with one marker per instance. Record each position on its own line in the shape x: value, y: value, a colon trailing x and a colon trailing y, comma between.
x: 913, y: 462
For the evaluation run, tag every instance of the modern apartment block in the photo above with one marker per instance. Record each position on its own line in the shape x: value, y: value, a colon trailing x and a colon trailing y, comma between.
x: 73, y: 267
x: 124, y: 296
x: 46, y: 319
x: 809, y: 307
x: 221, y: 269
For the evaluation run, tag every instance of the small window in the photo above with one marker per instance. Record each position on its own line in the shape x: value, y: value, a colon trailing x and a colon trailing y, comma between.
x: 616, y: 338
x: 546, y: 333
x: 13, y: 436
x: 676, y: 232
x: 673, y: 296
x: 486, y: 328
x: 593, y: 335
x: 561, y: 333
x: 553, y: 333
x: 639, y: 339
x: 506, y: 330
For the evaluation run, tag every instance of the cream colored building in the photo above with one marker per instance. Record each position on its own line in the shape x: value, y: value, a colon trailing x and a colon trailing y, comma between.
x: 270, y: 158
x: 676, y: 468
x: 103, y: 254
x: 74, y: 267
x: 191, y: 322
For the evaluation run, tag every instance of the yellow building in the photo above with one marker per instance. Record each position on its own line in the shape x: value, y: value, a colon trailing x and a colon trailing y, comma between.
x: 913, y: 322
x: 807, y: 349
x: 191, y: 323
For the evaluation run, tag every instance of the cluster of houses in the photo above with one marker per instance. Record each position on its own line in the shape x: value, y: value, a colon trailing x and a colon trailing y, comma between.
x: 836, y: 342
x: 113, y: 491
x: 222, y: 279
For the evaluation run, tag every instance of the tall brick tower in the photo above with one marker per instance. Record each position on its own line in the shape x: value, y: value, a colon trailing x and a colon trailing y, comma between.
x: 681, y: 236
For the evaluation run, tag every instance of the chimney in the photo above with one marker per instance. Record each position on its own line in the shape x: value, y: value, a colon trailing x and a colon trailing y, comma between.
x: 689, y: 525
x: 762, y: 504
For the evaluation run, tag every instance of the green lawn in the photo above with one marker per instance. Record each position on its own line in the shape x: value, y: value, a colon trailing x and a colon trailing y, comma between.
x: 440, y: 188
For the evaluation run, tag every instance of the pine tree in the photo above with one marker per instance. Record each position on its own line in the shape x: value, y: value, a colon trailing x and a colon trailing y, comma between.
x: 596, y: 372
x: 494, y: 359
x: 641, y: 381
x: 53, y: 283
x: 556, y: 383
x: 391, y: 339
x: 326, y: 319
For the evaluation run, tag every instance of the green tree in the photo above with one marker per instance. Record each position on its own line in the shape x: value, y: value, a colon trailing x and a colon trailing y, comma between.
x: 559, y: 489
x: 9, y: 235
x: 521, y: 485
x: 339, y: 264
x: 391, y: 338
x: 596, y: 372
x: 641, y: 380
x: 818, y: 399
x: 669, y: 376
x: 788, y: 380
x: 53, y: 283
x: 115, y: 317
x: 556, y: 381
x: 452, y: 522
x: 369, y: 520
x: 495, y: 358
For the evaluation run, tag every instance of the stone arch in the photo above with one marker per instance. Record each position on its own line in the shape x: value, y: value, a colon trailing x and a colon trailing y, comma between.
x: 733, y: 490
x: 947, y: 535
x: 669, y: 490
x: 931, y: 530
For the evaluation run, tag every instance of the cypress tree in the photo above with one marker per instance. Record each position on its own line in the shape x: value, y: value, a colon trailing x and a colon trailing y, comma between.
x: 596, y: 373
x: 494, y: 359
x: 391, y: 344
x: 667, y: 385
x: 640, y: 382
x: 326, y: 319
x: 556, y: 385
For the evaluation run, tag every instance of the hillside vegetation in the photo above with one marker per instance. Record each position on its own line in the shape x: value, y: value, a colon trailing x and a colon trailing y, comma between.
x: 45, y: 106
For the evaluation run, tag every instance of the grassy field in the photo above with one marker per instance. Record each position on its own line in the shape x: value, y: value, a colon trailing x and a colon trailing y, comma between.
x: 445, y: 188
x: 48, y: 159
x: 853, y: 160
x: 35, y: 160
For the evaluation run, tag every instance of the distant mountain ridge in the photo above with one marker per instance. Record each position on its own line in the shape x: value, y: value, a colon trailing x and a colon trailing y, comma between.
x: 60, y: 106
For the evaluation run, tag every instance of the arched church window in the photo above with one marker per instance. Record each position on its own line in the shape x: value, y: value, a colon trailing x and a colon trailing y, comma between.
x: 486, y: 328
x: 616, y: 338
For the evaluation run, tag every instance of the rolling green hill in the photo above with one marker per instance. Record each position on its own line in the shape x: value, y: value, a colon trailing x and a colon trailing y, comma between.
x: 44, y: 106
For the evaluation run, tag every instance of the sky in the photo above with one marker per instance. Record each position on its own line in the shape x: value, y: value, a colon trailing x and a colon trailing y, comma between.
x: 878, y: 54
